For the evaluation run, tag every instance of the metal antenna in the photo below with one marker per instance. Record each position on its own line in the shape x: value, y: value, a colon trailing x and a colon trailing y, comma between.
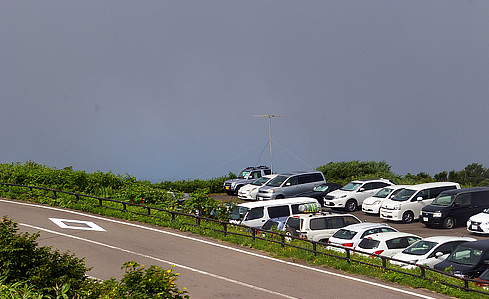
x: 270, y: 133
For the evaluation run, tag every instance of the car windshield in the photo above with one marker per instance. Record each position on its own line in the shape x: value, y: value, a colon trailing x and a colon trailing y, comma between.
x: 260, y: 181
x: 351, y: 186
x: 419, y: 248
x: 345, y: 234
x: 484, y: 275
x: 382, y: 193
x: 243, y: 174
x: 277, y: 181
x: 238, y: 213
x: 465, y: 255
x: 443, y: 200
x: 404, y: 195
x: 368, y: 244
x: 321, y: 188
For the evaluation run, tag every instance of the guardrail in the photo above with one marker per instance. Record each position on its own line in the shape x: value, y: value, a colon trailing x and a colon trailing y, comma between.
x: 255, y: 233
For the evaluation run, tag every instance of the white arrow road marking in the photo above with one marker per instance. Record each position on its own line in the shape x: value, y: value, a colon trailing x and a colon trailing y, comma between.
x: 77, y: 224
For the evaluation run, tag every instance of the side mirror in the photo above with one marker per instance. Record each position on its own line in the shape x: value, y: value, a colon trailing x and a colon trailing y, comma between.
x: 287, y: 184
x: 456, y: 204
x: 438, y: 254
x: 361, y: 190
x: 419, y: 198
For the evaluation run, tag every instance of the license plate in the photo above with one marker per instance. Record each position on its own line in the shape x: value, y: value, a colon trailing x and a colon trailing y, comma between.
x: 474, y: 227
x: 425, y: 219
x: 227, y: 187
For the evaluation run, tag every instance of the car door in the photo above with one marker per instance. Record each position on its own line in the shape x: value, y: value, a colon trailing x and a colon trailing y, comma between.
x: 291, y: 187
x: 445, y: 248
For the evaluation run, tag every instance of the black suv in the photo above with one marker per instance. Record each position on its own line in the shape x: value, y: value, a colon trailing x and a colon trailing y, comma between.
x: 246, y: 176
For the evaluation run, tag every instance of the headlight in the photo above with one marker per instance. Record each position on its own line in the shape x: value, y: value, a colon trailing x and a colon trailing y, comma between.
x: 437, y: 215
x: 486, y: 223
x: 396, y: 207
x: 376, y: 202
x: 339, y: 196
x: 468, y: 222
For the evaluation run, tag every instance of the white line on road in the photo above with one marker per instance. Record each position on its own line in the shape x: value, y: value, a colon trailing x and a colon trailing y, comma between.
x: 230, y: 248
x: 159, y: 260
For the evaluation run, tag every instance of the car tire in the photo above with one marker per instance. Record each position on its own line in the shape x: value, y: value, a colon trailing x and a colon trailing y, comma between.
x: 229, y: 192
x: 280, y: 196
x: 351, y: 205
x: 449, y: 223
x: 290, y: 232
x: 408, y: 217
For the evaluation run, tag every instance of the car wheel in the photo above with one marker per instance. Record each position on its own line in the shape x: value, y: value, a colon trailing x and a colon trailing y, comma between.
x: 323, y: 241
x: 449, y: 223
x: 351, y: 205
x: 290, y: 232
x: 280, y: 196
x: 229, y: 192
x: 407, y: 217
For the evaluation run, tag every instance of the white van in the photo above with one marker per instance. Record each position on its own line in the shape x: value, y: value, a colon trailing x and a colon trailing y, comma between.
x: 406, y: 205
x: 255, y: 214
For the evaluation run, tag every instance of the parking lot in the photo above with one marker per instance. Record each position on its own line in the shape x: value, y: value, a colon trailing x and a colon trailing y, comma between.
x: 415, y: 227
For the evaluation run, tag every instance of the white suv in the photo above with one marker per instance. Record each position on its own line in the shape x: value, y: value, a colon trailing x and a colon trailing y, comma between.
x: 318, y: 226
x: 352, y: 195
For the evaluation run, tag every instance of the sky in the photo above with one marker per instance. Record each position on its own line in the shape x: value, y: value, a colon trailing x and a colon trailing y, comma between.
x: 169, y: 90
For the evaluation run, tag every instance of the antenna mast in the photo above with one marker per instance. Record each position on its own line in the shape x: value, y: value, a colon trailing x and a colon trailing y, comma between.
x: 270, y: 133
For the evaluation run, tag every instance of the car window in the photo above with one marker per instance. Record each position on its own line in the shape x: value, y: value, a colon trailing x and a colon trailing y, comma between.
x: 295, y: 223
x: 367, y: 186
x: 401, y: 242
x: 268, y: 171
x: 256, y: 174
x: 319, y: 223
x: 335, y: 222
x: 292, y: 181
x: 349, y: 220
x: 464, y: 200
x: 369, y: 244
x: 345, y: 234
x: 377, y: 230
x: 446, y: 248
x: 278, y: 211
x: 270, y: 224
x: 255, y: 213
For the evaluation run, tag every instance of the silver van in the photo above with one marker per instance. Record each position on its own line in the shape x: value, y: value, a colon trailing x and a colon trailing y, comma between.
x: 290, y: 184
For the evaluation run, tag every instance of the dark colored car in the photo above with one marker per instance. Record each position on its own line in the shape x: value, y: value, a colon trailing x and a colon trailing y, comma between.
x: 320, y: 191
x: 454, y: 207
x: 469, y: 259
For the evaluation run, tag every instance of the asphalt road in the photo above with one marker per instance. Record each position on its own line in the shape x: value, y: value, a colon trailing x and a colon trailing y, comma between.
x: 208, y: 268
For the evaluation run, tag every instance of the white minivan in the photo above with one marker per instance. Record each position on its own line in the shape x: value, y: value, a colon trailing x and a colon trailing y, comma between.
x: 406, y: 205
x: 255, y: 214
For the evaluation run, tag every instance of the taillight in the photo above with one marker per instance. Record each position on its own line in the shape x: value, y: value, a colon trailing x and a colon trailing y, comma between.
x: 378, y: 252
x: 347, y: 244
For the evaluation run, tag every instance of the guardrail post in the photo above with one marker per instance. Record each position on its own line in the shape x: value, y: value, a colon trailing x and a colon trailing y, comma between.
x: 384, y: 262
x: 314, y: 247
x: 466, y: 283
x: 283, y: 240
x: 225, y: 229
x: 348, y: 256
x: 54, y: 191
x: 253, y: 233
x: 149, y: 211
x: 172, y: 216
x: 422, y: 272
x: 197, y: 218
x: 77, y: 198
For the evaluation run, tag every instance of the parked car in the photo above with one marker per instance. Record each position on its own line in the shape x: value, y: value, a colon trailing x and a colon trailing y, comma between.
x: 406, y: 205
x: 275, y: 223
x: 386, y: 244
x: 255, y: 214
x: 469, y: 259
x: 318, y: 226
x: 479, y: 223
x: 429, y: 251
x: 249, y: 191
x: 352, y: 195
x: 290, y: 184
x: 483, y: 279
x: 320, y: 191
x: 246, y: 176
x: 352, y: 235
x: 371, y: 205
x: 454, y: 207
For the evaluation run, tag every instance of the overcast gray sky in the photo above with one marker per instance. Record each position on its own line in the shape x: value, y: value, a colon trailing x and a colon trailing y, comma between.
x: 167, y: 90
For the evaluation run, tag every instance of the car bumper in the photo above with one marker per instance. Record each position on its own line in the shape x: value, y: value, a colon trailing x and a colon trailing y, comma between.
x: 430, y: 220
x: 332, y: 203
x: 477, y: 227
x: 371, y: 209
x: 394, y: 215
x: 264, y: 196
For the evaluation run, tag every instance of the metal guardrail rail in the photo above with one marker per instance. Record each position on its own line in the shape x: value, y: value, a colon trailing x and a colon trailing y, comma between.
x: 255, y: 233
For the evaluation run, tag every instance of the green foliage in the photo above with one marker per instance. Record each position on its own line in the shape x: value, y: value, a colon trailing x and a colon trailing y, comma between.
x: 344, y: 172
x: 141, y: 283
x: 21, y: 260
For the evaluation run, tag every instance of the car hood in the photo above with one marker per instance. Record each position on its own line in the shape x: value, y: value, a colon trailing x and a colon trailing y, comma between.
x: 409, y: 257
x: 435, y: 208
x: 339, y: 193
x: 457, y: 268
x: 481, y: 217
x: 391, y: 203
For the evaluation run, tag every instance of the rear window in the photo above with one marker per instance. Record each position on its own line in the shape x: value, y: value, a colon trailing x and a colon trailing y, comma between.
x: 402, y: 242
x: 295, y: 223
x: 255, y: 213
x: 269, y: 225
x: 345, y: 234
x: 368, y: 244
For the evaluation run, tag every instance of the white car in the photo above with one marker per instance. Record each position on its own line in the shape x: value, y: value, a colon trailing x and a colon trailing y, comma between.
x: 429, y: 251
x: 479, y: 223
x: 351, y: 235
x: 352, y: 195
x: 372, y: 204
x: 249, y: 191
x: 406, y: 205
x: 386, y: 244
